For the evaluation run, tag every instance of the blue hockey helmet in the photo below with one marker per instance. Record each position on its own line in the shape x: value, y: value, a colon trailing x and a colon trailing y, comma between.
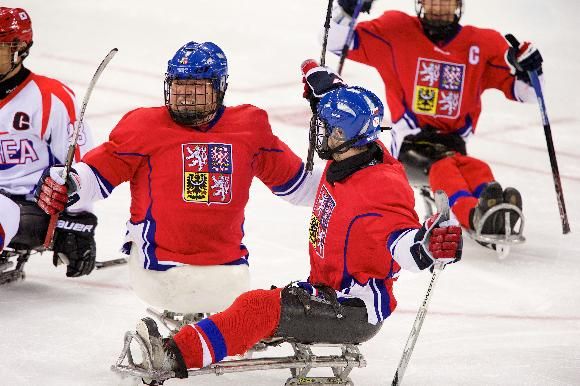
x: 202, y: 71
x: 357, y: 112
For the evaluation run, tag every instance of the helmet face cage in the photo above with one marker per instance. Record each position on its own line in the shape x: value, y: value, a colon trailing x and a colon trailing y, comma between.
x: 195, y: 83
x: 441, y: 13
x: 192, y: 101
x: 319, y: 134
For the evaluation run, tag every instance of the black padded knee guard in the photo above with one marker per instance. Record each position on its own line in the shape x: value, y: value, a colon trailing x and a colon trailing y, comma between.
x: 319, y: 321
x: 32, y: 227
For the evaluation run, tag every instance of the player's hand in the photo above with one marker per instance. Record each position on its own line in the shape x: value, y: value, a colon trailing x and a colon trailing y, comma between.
x: 74, y: 243
x: 437, y: 240
x: 523, y: 57
x: 52, y: 194
x: 318, y: 81
x: 348, y: 6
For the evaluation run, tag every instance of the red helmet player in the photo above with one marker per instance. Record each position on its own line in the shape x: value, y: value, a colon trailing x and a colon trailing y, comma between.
x: 15, y: 38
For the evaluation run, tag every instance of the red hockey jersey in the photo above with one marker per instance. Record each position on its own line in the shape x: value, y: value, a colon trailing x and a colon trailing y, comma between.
x: 189, y: 188
x: 350, y: 226
x: 438, y: 86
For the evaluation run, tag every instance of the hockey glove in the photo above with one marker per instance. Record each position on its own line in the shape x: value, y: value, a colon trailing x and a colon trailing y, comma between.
x: 522, y: 58
x: 318, y: 81
x: 74, y: 243
x: 437, y: 240
x: 348, y: 6
x: 51, y: 192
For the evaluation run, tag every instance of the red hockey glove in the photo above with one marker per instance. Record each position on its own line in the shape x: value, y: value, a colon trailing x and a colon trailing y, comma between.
x: 437, y: 240
x: 52, y: 194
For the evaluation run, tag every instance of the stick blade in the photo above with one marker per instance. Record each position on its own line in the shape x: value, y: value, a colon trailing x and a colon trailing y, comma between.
x: 442, y: 204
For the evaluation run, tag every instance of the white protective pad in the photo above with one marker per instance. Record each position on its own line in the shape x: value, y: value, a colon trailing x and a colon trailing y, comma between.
x: 9, y: 218
x: 189, y: 288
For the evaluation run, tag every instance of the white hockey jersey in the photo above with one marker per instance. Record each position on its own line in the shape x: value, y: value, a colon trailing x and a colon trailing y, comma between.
x: 35, y: 129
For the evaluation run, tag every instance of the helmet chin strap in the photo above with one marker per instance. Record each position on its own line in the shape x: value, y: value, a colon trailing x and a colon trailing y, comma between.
x: 15, y: 62
x: 326, y: 153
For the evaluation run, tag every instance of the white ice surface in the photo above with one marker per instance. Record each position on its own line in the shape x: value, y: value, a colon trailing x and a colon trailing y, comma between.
x: 514, y: 322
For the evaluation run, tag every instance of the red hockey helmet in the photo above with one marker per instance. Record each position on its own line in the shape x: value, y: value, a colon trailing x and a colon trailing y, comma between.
x: 16, y: 33
x: 15, y: 26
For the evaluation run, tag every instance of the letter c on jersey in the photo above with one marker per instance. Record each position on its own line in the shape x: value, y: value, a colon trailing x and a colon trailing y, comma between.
x: 474, y: 55
x: 21, y: 121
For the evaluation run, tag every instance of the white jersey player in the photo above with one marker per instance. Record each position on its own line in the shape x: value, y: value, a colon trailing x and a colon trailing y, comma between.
x: 36, y: 118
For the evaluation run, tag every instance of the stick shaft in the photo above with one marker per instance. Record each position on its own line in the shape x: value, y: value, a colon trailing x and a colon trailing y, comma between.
x: 311, y: 133
x: 551, y: 151
x: 349, y: 36
x: 75, y: 137
x: 442, y: 204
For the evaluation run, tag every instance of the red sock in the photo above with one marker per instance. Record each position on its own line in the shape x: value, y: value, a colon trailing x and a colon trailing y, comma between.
x: 253, y: 316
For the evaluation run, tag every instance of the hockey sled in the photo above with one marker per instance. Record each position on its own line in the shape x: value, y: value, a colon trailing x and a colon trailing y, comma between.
x: 299, y: 364
x: 12, y: 264
x: 306, y: 322
x: 417, y: 169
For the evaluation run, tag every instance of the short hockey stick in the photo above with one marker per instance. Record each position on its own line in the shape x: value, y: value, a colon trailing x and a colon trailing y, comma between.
x: 311, y: 133
x: 550, y: 143
x: 349, y: 36
x: 442, y: 204
x: 75, y: 136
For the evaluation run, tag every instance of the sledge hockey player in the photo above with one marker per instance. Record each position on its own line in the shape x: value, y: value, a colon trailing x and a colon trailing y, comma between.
x: 359, y: 239
x: 36, y: 114
x: 190, y: 164
x: 435, y: 71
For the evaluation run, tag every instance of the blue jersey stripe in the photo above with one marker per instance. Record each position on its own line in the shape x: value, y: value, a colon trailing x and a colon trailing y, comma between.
x: 105, y: 186
x: 292, y: 184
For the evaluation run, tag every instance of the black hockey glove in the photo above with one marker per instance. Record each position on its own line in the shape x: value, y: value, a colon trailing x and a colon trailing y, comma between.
x: 74, y: 243
x: 318, y: 81
x: 348, y: 6
x: 522, y: 58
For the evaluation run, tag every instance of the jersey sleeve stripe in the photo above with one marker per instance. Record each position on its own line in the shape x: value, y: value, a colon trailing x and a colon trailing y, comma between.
x: 395, y: 237
x: 105, y: 186
x: 292, y: 184
x: 46, y: 107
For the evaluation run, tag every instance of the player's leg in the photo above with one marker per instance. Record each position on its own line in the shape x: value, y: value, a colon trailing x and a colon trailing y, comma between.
x: 482, y: 183
x: 446, y: 175
x: 9, y: 220
x: 252, y: 317
x: 32, y: 226
x: 476, y: 173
